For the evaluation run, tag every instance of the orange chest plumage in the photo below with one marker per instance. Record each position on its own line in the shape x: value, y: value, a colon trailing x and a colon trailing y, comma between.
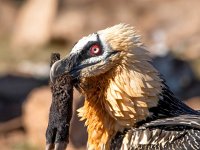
x: 117, y: 100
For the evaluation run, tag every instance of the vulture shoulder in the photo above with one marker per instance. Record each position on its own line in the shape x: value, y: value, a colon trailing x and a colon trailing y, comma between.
x: 182, y: 133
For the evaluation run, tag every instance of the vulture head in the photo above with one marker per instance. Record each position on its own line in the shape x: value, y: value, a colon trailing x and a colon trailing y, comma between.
x: 113, y: 71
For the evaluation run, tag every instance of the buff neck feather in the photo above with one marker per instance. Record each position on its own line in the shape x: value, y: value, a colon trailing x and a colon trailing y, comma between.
x: 100, y: 125
x: 134, y: 87
x: 119, y: 98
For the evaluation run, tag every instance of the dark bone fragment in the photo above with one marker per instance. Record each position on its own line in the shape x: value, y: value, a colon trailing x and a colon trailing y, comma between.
x: 57, y: 133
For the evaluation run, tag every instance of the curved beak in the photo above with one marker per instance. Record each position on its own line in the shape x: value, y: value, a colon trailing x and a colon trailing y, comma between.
x: 63, y: 66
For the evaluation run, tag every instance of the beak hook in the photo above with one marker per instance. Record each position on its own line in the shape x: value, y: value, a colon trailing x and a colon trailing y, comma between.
x: 56, y: 70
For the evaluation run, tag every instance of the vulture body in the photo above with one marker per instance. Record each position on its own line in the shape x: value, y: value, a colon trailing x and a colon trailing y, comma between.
x: 127, y: 103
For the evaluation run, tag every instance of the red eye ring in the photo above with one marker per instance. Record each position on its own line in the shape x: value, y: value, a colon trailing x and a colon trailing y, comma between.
x: 95, y: 50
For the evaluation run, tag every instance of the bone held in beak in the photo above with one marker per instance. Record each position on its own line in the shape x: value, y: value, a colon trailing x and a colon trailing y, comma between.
x: 57, y: 133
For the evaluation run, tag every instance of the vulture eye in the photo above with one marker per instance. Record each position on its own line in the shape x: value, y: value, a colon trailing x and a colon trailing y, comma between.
x: 95, y: 50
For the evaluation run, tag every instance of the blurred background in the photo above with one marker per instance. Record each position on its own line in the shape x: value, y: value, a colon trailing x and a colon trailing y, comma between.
x: 30, y: 30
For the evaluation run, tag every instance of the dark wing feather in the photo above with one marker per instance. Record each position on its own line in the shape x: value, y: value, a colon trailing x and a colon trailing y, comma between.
x: 178, y: 133
x: 192, y: 121
x: 171, y: 125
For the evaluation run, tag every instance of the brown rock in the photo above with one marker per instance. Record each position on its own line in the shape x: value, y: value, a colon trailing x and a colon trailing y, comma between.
x: 35, y: 115
x: 69, y: 25
x: 194, y: 103
x: 12, y: 140
x: 34, y: 23
x: 7, y: 17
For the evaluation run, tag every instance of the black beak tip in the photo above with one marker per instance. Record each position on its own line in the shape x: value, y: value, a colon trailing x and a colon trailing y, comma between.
x: 57, y: 69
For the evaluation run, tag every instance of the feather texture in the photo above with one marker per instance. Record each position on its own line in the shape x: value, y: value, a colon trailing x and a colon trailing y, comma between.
x: 122, y: 106
x: 182, y: 132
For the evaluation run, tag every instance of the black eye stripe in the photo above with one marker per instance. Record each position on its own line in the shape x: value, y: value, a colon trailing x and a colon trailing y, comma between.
x: 84, y: 54
x: 89, y: 44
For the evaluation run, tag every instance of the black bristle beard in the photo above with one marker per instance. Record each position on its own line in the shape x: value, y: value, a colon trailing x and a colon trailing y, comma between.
x: 168, y: 106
